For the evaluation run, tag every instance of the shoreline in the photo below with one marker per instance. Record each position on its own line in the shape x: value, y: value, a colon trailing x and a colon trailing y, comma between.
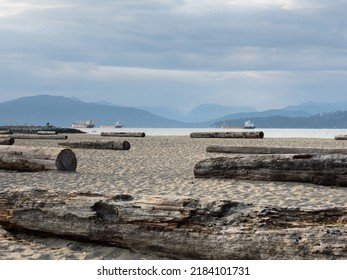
x: 155, y: 165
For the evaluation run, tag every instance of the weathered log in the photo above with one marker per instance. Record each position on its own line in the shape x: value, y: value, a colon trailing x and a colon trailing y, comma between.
x: 123, y: 134
x: 6, y: 141
x: 180, y: 227
x: 46, y: 132
x: 35, y: 136
x: 33, y: 159
x: 271, y: 150
x: 5, y: 132
x: 327, y: 170
x: 229, y: 134
x: 110, y: 145
x: 341, y: 137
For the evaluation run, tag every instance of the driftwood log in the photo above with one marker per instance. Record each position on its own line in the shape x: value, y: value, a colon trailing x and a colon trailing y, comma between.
x: 36, y: 136
x: 33, y: 159
x: 109, y: 145
x: 6, y: 141
x: 5, y: 132
x: 178, y: 227
x: 46, y: 132
x: 328, y: 170
x: 229, y: 134
x: 123, y: 134
x: 341, y: 137
x: 271, y: 150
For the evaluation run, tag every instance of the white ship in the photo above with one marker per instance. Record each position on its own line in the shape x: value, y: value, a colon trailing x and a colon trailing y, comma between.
x: 248, y: 125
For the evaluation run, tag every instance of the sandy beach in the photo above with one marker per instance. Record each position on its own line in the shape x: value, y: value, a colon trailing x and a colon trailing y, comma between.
x: 154, y: 165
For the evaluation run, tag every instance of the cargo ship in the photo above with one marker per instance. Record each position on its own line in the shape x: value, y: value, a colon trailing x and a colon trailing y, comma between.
x: 83, y: 124
x: 116, y: 125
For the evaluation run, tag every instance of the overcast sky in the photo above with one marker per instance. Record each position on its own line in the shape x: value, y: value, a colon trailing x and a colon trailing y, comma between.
x: 176, y: 53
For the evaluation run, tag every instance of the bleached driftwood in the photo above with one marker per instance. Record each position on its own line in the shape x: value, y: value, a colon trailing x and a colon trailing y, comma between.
x: 6, y: 141
x: 109, y: 145
x: 271, y: 150
x: 46, y: 132
x: 229, y: 134
x: 123, y: 134
x: 180, y: 227
x: 6, y: 132
x: 33, y: 159
x: 317, y: 169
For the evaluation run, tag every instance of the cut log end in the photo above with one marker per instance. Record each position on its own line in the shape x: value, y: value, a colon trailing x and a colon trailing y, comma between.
x: 66, y: 160
x: 7, y: 141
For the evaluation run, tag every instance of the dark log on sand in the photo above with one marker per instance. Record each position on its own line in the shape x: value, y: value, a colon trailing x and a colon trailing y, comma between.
x: 229, y: 134
x: 341, y: 137
x: 6, y: 141
x: 109, y: 145
x: 48, y: 132
x: 5, y: 132
x: 34, y: 136
x: 123, y: 134
x: 271, y: 150
x: 33, y: 159
x: 177, y: 227
x: 327, y: 170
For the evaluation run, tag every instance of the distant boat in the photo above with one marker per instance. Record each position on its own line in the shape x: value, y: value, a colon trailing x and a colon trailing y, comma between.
x: 224, y: 125
x: 116, y: 125
x: 83, y: 124
x: 248, y: 125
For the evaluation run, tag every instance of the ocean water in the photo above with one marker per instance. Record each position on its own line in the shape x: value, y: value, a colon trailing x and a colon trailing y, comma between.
x: 268, y: 132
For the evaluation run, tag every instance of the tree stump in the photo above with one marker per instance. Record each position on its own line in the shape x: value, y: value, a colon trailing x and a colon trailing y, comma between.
x: 33, y: 159
x: 327, y: 170
x: 230, y: 134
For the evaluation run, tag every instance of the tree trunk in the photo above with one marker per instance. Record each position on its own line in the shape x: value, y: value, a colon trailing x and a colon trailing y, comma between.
x: 230, y: 134
x: 48, y: 132
x: 341, y: 137
x: 5, y: 132
x: 34, y: 136
x: 33, y: 159
x: 6, y: 141
x: 110, y: 145
x: 123, y: 134
x: 271, y: 150
x: 318, y: 169
x: 178, y: 227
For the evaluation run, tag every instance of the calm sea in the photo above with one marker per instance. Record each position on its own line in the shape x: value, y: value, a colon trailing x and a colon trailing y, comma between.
x: 268, y: 132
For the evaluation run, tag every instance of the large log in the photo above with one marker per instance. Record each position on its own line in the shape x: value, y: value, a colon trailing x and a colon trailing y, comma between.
x: 180, y: 227
x: 271, y: 150
x: 109, y: 145
x: 33, y: 159
x: 229, y: 134
x: 6, y: 132
x: 318, y: 169
x: 341, y: 137
x: 35, y: 136
x: 123, y: 134
x: 6, y: 141
x: 47, y: 132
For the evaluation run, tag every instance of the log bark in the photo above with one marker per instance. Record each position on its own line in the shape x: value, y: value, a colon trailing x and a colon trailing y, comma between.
x: 271, y: 150
x: 327, y: 170
x: 48, y: 132
x: 33, y: 159
x: 341, y: 137
x: 229, y: 134
x: 5, y: 132
x: 180, y: 227
x: 6, y: 141
x: 35, y: 136
x: 109, y: 145
x: 123, y: 134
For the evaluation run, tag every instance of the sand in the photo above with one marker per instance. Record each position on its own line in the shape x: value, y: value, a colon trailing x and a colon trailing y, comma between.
x: 154, y: 165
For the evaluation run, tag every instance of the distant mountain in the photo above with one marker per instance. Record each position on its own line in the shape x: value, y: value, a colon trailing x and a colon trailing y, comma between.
x: 316, y: 108
x: 207, y: 112
x: 62, y: 111
x: 337, y: 119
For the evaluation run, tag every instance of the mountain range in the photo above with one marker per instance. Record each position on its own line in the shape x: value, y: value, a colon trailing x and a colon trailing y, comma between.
x: 62, y: 111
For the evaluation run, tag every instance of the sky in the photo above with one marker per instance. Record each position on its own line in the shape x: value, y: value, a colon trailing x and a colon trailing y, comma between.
x: 175, y: 53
